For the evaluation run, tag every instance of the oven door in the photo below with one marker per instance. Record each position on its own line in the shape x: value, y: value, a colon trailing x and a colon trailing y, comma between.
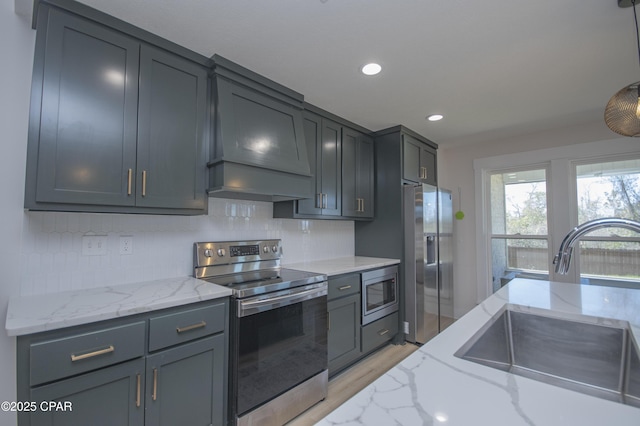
x: 379, y: 296
x: 281, y: 342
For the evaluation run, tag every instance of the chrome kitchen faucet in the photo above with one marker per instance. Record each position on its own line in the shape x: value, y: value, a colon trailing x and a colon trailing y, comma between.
x: 563, y: 259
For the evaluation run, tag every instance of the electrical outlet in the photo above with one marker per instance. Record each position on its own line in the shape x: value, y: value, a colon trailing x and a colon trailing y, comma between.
x: 405, y: 325
x: 94, y: 245
x: 126, y: 244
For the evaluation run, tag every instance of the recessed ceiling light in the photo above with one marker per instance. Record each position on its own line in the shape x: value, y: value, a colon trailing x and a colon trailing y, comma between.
x: 435, y: 117
x: 371, y: 69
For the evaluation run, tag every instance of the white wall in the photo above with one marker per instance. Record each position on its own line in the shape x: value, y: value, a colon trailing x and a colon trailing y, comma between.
x: 455, y: 170
x: 41, y: 252
x: 16, y: 50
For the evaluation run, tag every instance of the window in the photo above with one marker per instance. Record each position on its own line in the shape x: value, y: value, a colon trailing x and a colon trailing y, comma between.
x: 527, y: 202
x: 609, y: 189
x: 519, y: 236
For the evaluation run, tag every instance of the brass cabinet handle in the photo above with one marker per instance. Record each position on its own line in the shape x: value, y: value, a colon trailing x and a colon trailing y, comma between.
x: 191, y: 327
x: 423, y: 172
x: 129, y: 177
x: 383, y: 332
x: 154, y: 395
x: 106, y: 350
x: 137, y: 390
x: 144, y: 183
x: 344, y: 287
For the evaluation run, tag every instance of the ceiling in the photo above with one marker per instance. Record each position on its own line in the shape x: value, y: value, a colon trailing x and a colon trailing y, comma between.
x: 493, y: 68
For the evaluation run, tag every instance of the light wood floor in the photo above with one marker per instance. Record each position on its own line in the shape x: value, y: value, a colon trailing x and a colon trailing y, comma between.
x: 346, y: 384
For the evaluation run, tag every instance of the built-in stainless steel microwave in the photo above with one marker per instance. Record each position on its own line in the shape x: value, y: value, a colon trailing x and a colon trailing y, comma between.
x: 379, y: 293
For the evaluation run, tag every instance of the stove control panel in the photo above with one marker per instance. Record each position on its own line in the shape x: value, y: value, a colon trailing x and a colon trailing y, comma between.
x: 232, y: 252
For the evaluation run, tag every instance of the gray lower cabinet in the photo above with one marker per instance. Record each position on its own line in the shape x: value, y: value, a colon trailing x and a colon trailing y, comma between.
x: 379, y: 332
x: 344, y: 307
x: 106, y: 397
x: 116, y: 125
x: 162, y: 368
x: 357, y: 174
x: 184, y: 384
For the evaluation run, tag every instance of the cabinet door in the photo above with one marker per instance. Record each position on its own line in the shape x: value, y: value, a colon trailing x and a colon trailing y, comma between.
x: 365, y: 178
x: 411, y: 159
x: 344, y: 331
x: 172, y: 114
x: 186, y: 385
x: 106, y: 397
x: 419, y: 161
x: 357, y: 174
x: 428, y: 162
x: 88, y: 121
x: 350, y: 197
x: 331, y: 176
x: 312, y: 125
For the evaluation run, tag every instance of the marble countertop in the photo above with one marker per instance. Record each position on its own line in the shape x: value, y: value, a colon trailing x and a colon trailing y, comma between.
x: 343, y: 265
x: 32, y: 314
x: 433, y: 387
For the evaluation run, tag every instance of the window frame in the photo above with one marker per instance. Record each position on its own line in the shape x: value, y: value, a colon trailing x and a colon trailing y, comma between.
x: 493, y: 236
x: 561, y: 183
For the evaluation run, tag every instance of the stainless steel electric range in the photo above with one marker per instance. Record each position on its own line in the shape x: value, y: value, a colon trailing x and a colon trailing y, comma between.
x: 278, y: 344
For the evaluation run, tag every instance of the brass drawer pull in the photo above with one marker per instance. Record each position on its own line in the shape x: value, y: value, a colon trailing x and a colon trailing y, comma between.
x: 191, y: 327
x: 106, y: 350
x: 154, y: 395
x: 137, y: 390
x: 383, y: 332
x: 344, y: 287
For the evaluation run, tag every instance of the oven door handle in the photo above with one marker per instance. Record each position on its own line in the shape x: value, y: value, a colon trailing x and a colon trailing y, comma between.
x: 253, y: 306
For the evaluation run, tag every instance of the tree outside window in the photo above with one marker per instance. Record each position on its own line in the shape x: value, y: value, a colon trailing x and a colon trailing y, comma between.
x: 609, y: 189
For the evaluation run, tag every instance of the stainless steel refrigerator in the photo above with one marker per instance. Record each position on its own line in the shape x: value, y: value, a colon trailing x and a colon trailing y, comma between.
x: 428, y: 261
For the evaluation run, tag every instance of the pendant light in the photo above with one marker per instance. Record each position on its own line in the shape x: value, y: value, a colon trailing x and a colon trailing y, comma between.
x: 622, y: 113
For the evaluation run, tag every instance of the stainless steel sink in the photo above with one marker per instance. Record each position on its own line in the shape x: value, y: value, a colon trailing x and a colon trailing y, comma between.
x: 584, y: 356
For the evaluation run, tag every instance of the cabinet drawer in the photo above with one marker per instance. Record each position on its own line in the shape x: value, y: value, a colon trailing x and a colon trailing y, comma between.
x: 83, y: 352
x: 379, y: 332
x: 344, y: 285
x: 179, y: 327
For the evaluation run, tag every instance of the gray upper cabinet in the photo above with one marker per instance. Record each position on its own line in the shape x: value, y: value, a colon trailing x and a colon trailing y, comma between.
x: 324, y: 141
x: 258, y: 150
x: 171, y: 132
x: 341, y: 155
x: 88, y: 118
x: 419, y: 161
x: 357, y: 174
x: 115, y: 125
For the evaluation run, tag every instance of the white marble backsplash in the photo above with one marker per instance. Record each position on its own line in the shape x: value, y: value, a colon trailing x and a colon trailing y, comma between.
x: 52, y: 258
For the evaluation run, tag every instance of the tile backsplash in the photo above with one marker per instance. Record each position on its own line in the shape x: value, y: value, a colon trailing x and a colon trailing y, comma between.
x: 162, y: 246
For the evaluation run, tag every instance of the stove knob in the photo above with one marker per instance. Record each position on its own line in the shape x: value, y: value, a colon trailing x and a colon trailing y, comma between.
x: 221, y: 252
x: 265, y: 249
x: 208, y: 253
x: 274, y: 249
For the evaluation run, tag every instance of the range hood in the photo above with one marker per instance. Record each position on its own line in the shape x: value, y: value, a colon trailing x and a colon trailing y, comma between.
x: 259, y: 151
